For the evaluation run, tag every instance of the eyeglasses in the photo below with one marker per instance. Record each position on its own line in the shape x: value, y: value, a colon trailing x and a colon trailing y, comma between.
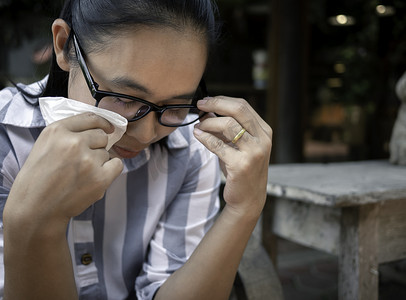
x: 134, y: 108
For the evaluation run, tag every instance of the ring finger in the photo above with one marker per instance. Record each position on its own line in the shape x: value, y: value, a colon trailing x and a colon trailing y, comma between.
x: 226, y: 128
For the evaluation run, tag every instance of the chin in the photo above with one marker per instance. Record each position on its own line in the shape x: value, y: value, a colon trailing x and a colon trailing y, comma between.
x: 113, y: 155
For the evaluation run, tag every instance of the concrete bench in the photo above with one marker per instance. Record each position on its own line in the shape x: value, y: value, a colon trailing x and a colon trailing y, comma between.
x: 355, y: 210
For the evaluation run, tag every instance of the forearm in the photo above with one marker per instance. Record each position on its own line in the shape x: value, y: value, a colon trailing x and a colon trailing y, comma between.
x: 37, y: 261
x: 210, y: 271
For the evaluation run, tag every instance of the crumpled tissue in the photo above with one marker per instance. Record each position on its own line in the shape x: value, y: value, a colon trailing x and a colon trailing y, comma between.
x: 57, y: 108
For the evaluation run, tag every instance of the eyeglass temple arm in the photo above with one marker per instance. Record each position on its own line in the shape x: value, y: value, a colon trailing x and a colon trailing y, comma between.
x: 93, y: 86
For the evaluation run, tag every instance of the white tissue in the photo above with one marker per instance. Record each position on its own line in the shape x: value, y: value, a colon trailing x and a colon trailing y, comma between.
x: 57, y: 108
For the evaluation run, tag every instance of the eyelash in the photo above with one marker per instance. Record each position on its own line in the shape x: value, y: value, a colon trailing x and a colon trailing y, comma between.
x: 127, y: 104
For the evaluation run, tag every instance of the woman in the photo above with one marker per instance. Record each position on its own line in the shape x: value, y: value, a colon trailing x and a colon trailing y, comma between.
x: 136, y: 221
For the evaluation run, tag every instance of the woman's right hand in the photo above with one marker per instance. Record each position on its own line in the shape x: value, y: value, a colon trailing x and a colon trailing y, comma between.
x: 67, y: 171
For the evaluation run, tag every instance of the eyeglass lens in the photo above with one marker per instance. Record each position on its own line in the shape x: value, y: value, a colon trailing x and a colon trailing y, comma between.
x: 134, y: 110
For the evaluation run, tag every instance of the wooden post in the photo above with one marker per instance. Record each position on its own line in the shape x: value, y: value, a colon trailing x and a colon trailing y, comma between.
x: 269, y: 239
x: 287, y: 44
x: 358, y: 257
x: 273, y: 63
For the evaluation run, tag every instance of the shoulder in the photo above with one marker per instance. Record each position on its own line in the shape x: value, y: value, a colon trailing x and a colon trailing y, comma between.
x: 19, y: 110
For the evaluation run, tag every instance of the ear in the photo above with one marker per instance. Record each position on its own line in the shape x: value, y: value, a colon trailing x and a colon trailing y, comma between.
x: 60, y: 33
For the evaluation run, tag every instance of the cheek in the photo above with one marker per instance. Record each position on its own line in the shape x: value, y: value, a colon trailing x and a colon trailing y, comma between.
x: 164, y: 131
x: 145, y: 132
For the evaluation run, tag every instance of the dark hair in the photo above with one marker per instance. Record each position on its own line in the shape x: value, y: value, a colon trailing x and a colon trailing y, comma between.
x: 94, y: 20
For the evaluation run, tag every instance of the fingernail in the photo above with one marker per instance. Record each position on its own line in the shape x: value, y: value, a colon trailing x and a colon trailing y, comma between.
x: 205, y: 99
x: 202, y: 102
x: 197, y: 131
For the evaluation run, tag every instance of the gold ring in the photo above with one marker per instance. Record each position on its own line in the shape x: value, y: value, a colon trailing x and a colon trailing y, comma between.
x: 238, y: 136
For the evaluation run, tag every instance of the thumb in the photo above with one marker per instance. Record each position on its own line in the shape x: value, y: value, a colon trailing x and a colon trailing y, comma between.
x: 112, y: 169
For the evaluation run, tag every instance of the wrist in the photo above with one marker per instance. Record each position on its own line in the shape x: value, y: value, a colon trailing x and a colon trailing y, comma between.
x: 241, y: 215
x: 22, y: 226
x: 23, y: 217
x: 247, y: 208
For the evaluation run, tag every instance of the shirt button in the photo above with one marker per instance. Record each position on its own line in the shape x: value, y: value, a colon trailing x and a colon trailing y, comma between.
x: 86, y: 259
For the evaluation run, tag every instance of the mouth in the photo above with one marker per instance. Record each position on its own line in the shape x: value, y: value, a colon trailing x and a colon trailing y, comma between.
x: 124, y: 153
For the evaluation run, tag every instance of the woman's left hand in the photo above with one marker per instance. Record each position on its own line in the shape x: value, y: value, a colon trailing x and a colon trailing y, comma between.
x: 244, y: 162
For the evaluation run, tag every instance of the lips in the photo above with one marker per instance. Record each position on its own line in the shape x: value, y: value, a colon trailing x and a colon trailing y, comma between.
x: 124, y: 153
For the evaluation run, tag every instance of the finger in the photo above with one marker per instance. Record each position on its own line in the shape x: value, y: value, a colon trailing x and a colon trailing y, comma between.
x: 111, y: 169
x: 236, y: 108
x: 100, y: 155
x: 207, y: 116
x: 96, y: 138
x: 87, y: 121
x: 228, y: 128
x: 225, y: 152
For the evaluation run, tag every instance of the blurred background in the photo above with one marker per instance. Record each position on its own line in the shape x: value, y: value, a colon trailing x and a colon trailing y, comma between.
x: 321, y: 73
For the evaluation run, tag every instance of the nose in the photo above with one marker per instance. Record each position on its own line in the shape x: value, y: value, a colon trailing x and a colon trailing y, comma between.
x: 144, y: 130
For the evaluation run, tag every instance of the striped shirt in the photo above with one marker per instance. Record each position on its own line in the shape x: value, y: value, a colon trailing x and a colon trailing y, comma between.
x: 148, y: 223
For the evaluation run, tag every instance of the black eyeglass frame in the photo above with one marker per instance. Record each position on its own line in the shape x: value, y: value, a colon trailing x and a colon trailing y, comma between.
x: 98, y: 95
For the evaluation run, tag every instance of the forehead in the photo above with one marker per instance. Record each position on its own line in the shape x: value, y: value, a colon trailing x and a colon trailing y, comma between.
x: 153, y: 55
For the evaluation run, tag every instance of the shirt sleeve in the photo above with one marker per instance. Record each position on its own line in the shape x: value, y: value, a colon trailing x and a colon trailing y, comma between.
x: 183, y: 225
x: 8, y: 171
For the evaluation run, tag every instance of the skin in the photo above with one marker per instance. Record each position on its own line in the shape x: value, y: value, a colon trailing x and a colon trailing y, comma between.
x: 36, y: 215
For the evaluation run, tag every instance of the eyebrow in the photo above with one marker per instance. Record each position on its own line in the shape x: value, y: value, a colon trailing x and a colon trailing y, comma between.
x: 121, y: 82
x: 128, y: 83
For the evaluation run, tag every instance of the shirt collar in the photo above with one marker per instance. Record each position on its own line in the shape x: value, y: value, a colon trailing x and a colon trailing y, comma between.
x: 20, y: 110
x: 18, y: 104
x: 180, y: 138
x: 22, y: 113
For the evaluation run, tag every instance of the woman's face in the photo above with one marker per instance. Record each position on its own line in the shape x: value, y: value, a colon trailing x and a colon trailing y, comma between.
x: 155, y: 64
